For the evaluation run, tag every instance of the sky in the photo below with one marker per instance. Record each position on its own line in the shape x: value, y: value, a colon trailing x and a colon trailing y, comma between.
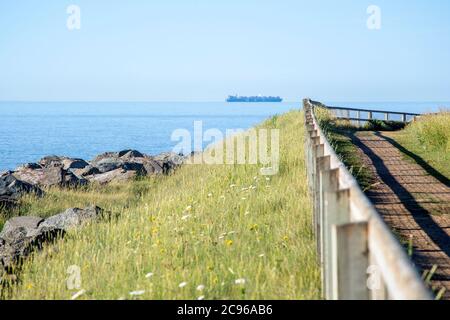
x: 203, y: 50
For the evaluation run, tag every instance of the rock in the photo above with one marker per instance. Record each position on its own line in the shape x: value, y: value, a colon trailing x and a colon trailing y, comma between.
x: 118, y: 175
x: 23, y: 235
x: 50, y: 161
x: 52, y: 176
x: 87, y: 171
x: 31, y: 166
x: 69, y: 163
x: 19, y: 236
x: 65, y: 163
x: 108, y: 164
x: 130, y: 154
x: 48, y: 176
x: 71, y: 218
x: 11, y: 189
x: 134, y: 166
x: 104, y: 156
x: 153, y: 167
x: 18, y: 227
x: 170, y: 161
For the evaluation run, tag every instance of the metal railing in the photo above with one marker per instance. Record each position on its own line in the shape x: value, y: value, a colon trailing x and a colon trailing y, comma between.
x: 360, y: 257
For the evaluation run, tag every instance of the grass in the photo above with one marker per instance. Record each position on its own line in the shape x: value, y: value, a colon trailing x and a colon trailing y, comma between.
x: 339, y: 134
x: 429, y: 139
x: 205, y: 225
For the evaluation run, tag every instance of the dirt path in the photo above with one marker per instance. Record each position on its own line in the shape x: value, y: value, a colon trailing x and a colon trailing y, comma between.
x: 413, y: 202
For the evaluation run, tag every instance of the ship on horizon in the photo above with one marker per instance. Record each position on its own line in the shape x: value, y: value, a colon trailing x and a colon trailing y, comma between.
x: 259, y: 98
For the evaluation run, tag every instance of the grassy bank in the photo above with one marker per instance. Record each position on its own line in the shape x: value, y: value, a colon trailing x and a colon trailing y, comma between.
x: 339, y: 134
x: 227, y: 228
x: 429, y: 139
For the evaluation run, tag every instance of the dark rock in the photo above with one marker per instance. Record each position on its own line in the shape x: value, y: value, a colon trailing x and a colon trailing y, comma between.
x: 118, y: 175
x: 104, y: 156
x: 153, y: 167
x: 18, y: 227
x: 32, y: 166
x: 134, y: 166
x: 51, y: 175
x: 11, y: 189
x: 71, y: 218
x: 170, y: 161
x: 87, y: 171
x: 22, y: 235
x: 130, y: 154
x: 108, y: 164
x: 69, y: 163
x: 65, y: 162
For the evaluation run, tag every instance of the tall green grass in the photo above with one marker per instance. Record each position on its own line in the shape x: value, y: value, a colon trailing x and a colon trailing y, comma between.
x: 208, y: 231
x: 339, y: 134
x: 429, y: 138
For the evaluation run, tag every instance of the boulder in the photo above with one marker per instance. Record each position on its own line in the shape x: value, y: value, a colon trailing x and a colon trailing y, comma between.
x: 69, y: 163
x: 18, y: 227
x: 87, y: 171
x: 104, y: 156
x: 48, y: 176
x: 153, y: 167
x: 11, y: 189
x: 71, y: 218
x: 22, y: 235
x: 170, y: 161
x: 108, y: 164
x: 130, y: 154
x: 118, y: 175
x: 65, y: 163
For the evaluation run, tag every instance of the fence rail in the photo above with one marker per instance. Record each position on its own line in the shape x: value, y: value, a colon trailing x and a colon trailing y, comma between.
x: 360, y: 257
x: 346, y: 114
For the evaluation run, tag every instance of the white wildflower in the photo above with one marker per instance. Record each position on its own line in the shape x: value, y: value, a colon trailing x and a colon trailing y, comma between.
x: 200, y: 287
x: 149, y: 275
x: 262, y: 255
x: 201, y: 298
x: 185, y: 217
x: 182, y: 285
x: 239, y: 281
x: 137, y: 293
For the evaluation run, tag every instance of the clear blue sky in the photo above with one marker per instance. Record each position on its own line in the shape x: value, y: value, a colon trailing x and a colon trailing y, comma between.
x: 186, y: 50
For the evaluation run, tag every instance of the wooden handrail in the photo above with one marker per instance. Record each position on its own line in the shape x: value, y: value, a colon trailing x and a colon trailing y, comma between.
x: 373, y: 111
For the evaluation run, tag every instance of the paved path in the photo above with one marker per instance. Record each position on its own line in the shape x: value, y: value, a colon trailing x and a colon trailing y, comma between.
x: 414, y: 203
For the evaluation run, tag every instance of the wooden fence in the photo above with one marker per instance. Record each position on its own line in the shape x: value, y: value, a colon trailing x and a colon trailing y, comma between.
x: 360, y: 257
x: 364, y: 115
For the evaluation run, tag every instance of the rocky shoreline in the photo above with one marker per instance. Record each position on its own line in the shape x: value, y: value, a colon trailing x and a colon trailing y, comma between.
x: 59, y: 171
x: 24, y: 234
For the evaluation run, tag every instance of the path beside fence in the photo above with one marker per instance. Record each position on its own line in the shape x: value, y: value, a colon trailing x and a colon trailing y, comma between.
x: 359, y: 256
x: 413, y: 203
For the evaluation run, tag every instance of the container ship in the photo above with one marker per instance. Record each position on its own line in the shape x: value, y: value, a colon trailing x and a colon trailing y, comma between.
x: 237, y: 98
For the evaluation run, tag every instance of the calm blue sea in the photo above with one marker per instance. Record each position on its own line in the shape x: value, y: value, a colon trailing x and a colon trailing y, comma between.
x: 29, y: 131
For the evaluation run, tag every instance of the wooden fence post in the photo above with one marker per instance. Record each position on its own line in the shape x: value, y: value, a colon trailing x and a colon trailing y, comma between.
x: 350, y: 261
x: 323, y: 166
x: 336, y: 211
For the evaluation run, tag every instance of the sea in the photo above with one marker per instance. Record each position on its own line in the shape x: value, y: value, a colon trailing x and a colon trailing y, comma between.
x: 32, y: 130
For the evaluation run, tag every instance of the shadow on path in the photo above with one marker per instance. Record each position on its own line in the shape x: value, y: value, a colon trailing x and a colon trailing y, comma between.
x: 419, y: 213
x: 429, y: 169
